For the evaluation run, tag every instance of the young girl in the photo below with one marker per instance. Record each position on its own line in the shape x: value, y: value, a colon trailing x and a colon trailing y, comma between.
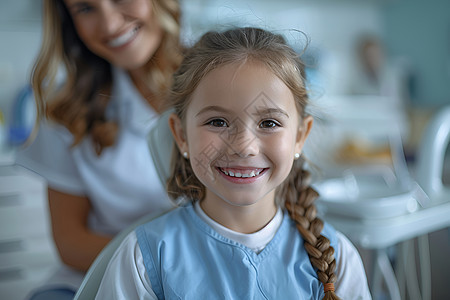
x: 249, y: 228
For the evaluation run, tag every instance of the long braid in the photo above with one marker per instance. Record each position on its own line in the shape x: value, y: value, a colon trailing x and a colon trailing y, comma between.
x: 300, y: 197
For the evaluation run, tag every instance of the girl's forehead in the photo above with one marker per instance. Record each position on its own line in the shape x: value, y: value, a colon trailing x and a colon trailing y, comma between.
x: 245, y: 85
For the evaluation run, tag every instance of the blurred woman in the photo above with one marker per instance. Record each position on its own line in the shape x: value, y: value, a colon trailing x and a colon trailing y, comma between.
x: 99, y: 81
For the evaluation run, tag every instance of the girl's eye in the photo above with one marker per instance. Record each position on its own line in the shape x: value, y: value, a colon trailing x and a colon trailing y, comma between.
x: 217, y: 123
x: 268, y: 124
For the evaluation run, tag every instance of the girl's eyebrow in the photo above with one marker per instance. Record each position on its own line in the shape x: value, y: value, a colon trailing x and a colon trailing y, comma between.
x: 270, y: 111
x: 259, y: 111
x: 213, y: 108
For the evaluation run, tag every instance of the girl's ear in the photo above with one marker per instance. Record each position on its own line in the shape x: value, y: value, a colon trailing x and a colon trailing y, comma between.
x: 178, y: 132
x: 302, y: 133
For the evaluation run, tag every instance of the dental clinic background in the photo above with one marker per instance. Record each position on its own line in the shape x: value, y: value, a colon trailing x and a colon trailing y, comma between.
x: 380, y: 66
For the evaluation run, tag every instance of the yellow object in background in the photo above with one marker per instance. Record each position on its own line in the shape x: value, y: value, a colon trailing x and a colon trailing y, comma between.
x: 360, y: 152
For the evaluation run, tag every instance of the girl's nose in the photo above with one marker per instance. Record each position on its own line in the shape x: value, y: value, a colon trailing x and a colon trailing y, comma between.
x: 242, y: 141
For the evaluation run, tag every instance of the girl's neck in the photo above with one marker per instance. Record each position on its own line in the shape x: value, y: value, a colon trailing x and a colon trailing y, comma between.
x: 243, y: 219
x: 139, y: 78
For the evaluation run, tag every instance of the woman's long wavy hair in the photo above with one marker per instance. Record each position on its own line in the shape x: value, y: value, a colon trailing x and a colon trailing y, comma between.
x: 80, y: 102
x: 239, y: 45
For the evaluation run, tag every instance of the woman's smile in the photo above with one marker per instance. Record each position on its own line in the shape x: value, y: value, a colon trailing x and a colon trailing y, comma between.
x: 125, y: 33
x: 124, y: 38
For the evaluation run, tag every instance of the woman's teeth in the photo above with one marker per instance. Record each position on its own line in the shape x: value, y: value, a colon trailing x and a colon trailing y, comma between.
x: 241, y: 175
x: 123, y: 39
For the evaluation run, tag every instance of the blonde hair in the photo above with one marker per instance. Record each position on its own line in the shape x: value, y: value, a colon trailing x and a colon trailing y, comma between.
x: 216, y: 49
x: 80, y: 103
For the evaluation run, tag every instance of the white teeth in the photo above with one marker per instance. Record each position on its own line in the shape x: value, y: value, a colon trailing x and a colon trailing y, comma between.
x: 123, y: 39
x: 240, y: 175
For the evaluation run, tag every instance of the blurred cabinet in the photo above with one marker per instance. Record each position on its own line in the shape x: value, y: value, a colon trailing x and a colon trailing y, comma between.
x: 27, y: 252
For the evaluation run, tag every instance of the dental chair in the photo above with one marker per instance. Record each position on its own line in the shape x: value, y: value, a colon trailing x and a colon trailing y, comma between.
x: 402, y: 223
x: 93, y: 277
x: 160, y: 143
x: 430, y: 165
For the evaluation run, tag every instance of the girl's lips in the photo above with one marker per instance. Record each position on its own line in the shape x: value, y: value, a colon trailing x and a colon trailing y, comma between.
x: 241, y: 172
x: 124, y: 38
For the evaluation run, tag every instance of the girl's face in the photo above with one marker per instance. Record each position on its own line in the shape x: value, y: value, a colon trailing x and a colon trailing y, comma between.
x: 242, y: 130
x: 124, y: 32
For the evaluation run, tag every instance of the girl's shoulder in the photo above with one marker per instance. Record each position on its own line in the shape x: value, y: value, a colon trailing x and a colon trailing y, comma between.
x: 165, y: 222
x: 350, y: 269
x: 331, y: 233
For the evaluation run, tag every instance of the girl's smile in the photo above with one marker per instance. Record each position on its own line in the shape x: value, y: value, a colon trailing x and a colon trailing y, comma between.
x: 242, y: 175
x: 241, y: 172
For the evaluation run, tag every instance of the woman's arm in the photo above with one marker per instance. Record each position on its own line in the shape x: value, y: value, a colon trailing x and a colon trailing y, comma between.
x: 76, y: 244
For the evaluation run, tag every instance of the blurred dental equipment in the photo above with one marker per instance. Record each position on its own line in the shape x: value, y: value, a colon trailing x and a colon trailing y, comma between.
x: 367, y: 191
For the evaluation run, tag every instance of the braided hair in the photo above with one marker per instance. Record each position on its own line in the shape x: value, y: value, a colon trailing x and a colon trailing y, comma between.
x: 299, y: 201
x: 216, y: 49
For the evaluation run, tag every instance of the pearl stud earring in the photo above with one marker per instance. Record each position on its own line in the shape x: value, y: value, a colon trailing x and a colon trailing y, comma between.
x: 185, y: 154
x: 296, y: 155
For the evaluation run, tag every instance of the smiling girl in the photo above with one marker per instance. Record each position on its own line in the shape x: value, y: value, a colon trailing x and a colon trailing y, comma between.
x: 248, y: 229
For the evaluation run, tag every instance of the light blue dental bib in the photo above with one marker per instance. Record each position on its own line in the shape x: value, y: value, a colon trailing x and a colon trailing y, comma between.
x: 186, y: 259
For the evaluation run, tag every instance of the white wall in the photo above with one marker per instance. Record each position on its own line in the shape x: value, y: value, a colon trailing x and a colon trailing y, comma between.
x: 331, y: 27
x: 419, y: 31
x: 20, y: 33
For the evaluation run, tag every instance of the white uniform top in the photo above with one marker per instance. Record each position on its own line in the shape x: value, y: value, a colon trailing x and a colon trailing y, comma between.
x: 121, y: 183
x: 126, y: 276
